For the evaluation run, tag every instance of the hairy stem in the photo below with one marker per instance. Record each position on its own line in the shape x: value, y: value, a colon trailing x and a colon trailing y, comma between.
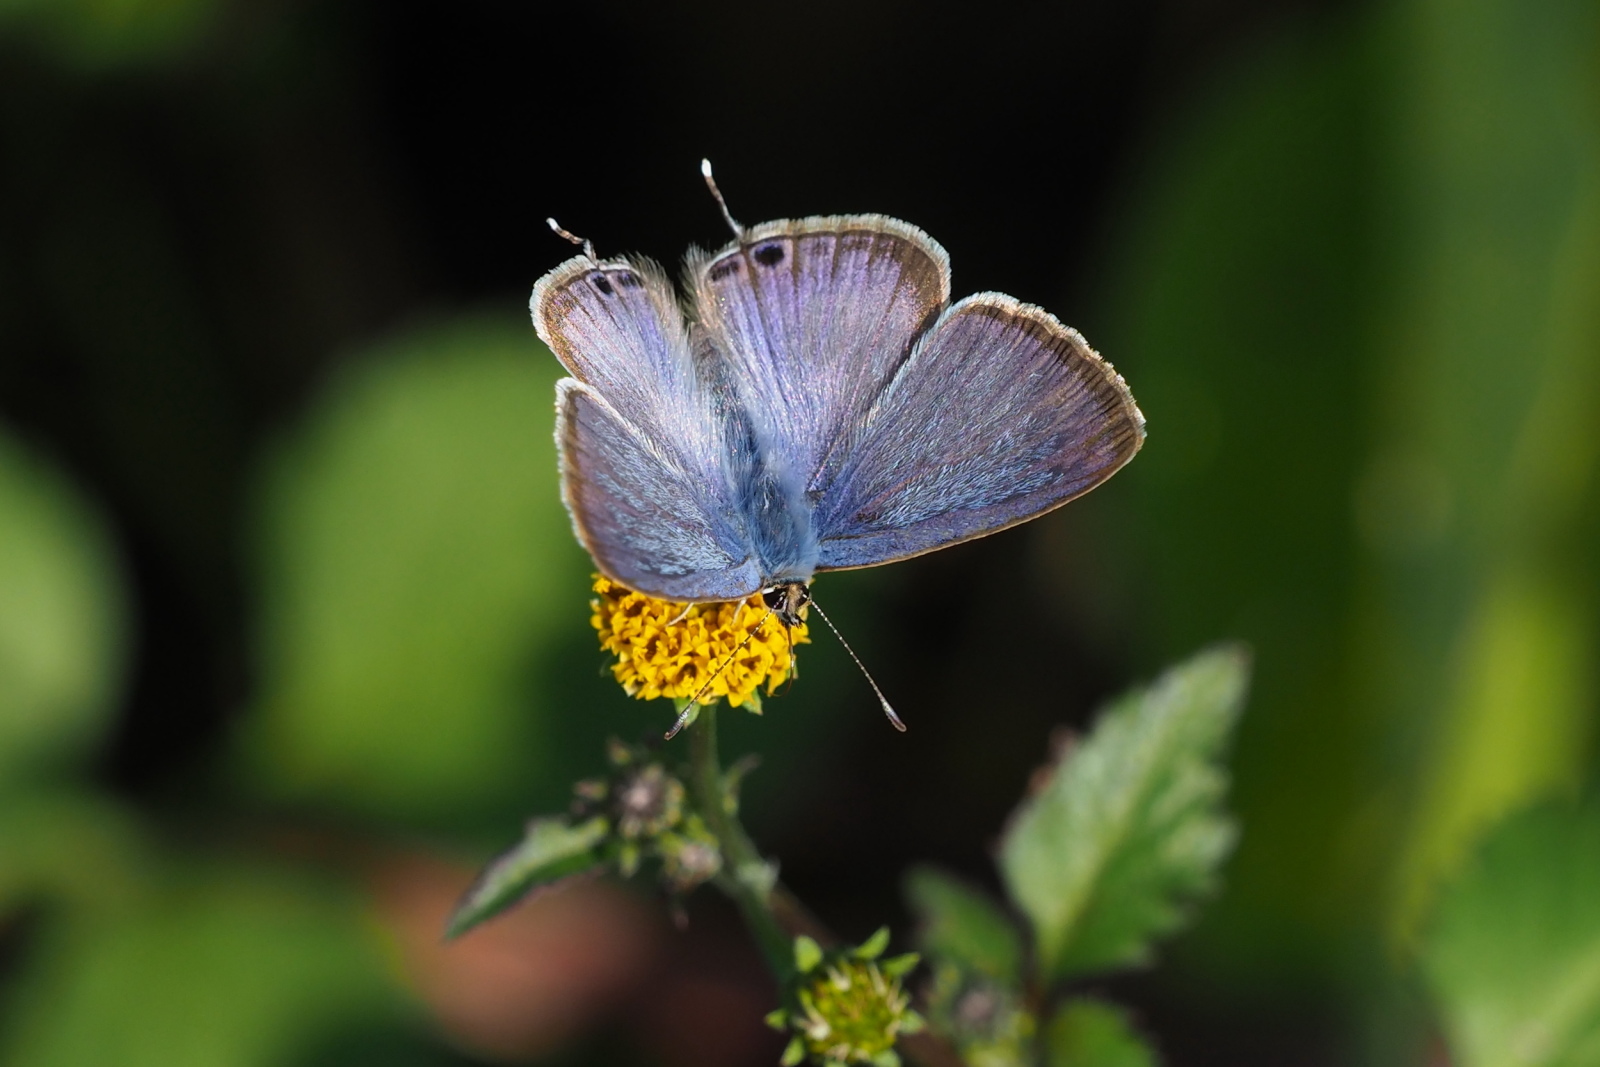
x: 745, y: 876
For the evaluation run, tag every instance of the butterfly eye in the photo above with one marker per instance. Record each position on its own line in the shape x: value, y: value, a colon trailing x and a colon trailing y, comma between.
x: 769, y: 255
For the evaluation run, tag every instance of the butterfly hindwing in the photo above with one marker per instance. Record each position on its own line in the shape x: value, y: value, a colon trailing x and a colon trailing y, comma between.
x: 647, y: 522
x: 999, y: 414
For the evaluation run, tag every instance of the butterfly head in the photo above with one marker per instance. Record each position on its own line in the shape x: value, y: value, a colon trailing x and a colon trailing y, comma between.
x: 787, y: 601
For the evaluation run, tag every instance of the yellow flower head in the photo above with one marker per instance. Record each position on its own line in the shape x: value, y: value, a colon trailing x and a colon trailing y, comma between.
x: 666, y: 649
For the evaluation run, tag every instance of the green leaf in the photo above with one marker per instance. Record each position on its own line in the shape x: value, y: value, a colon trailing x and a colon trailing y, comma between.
x: 873, y: 947
x: 550, y: 850
x: 1088, y: 1033
x: 1513, y: 954
x: 71, y: 846
x: 244, y: 965
x: 95, y: 36
x: 807, y: 954
x: 1130, y: 827
x: 416, y: 565
x: 961, y: 924
x: 1487, y: 619
x: 61, y: 621
x: 901, y: 965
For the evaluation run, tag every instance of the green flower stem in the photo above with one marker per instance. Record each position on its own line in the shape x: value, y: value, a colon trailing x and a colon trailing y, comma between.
x: 743, y: 870
x: 773, y: 914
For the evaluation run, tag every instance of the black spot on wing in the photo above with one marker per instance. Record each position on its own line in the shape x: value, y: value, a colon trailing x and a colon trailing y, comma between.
x: 723, y: 269
x: 601, y: 283
x: 769, y: 255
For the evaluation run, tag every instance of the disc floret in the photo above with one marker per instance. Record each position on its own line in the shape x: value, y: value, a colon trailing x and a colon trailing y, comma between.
x: 847, y: 1007
x: 683, y: 651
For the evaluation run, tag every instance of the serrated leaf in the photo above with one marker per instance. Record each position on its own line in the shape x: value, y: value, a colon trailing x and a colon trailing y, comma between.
x: 1089, y: 1033
x: 1130, y: 827
x: 1513, y: 954
x: 549, y: 851
x: 961, y: 924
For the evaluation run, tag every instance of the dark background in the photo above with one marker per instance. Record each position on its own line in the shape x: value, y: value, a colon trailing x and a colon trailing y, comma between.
x: 191, y: 245
x: 223, y: 224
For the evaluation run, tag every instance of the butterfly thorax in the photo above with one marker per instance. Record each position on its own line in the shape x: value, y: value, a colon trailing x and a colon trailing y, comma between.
x: 769, y: 502
x: 779, y: 529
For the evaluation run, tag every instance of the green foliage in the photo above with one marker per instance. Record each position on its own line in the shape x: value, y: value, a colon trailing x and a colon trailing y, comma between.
x: 110, y: 34
x: 1356, y: 302
x: 961, y: 924
x: 67, y: 845
x: 550, y: 850
x: 1129, y: 829
x: 1238, y: 311
x: 1089, y: 1033
x: 133, y: 956
x: 415, y: 556
x: 61, y: 621
x: 141, y: 956
x: 1513, y: 953
x: 237, y: 966
x: 1489, y: 629
x: 1126, y: 832
x: 807, y: 954
x: 1358, y: 307
x: 873, y: 947
x: 986, y: 1021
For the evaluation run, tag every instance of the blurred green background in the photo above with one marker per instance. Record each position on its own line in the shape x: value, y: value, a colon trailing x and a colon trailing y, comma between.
x: 293, y: 632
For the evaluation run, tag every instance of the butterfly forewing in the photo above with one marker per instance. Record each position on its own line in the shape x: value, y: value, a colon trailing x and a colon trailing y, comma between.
x: 814, y: 316
x: 1000, y: 414
x: 616, y: 326
x: 643, y: 467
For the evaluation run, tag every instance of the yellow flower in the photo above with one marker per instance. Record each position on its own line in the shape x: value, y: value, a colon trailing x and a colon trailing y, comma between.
x: 665, y: 649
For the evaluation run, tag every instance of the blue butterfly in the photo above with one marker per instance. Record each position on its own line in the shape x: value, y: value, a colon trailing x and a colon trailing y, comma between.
x: 815, y: 403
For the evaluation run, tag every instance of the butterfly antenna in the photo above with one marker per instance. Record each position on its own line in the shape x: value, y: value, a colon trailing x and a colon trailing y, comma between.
x: 711, y: 183
x: 688, y: 708
x: 894, y: 719
x: 583, y: 243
